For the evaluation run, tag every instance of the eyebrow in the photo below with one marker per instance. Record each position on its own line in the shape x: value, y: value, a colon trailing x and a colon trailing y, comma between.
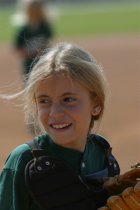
x: 41, y: 96
x: 65, y: 94
x: 69, y: 93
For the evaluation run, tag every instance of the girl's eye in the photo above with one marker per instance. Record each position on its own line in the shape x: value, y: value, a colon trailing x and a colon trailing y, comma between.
x: 69, y: 99
x: 43, y: 101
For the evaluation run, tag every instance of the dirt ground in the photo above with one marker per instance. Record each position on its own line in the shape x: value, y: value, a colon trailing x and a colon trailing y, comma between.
x: 120, y: 58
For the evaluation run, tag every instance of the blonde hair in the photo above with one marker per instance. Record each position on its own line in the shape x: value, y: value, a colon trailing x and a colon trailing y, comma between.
x: 72, y: 60
x: 68, y: 59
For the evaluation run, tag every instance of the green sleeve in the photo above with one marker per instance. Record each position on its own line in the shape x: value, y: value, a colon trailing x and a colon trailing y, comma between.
x: 19, y: 40
x: 14, y: 194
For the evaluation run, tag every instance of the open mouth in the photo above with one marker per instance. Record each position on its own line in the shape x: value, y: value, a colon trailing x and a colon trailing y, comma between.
x: 61, y: 126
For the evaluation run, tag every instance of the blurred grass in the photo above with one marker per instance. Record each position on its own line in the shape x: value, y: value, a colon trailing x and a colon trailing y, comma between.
x: 84, y: 20
x: 99, y: 19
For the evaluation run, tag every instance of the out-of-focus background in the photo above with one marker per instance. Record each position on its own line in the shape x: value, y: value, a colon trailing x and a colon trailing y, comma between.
x: 110, y: 30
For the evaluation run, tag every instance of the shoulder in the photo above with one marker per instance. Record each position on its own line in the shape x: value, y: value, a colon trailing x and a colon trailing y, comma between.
x: 99, y: 140
x: 44, y: 141
x: 46, y: 26
x: 18, y: 158
x: 22, y: 29
x: 45, y: 23
x: 20, y: 35
x: 110, y: 160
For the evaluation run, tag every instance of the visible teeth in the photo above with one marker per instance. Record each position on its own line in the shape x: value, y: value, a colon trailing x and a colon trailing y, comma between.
x: 60, y: 126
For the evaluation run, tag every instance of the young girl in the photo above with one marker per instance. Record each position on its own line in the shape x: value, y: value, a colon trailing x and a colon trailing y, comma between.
x: 34, y: 36
x: 64, y: 96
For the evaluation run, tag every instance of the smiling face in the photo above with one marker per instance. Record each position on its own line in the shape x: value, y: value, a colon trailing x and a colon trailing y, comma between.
x: 64, y: 110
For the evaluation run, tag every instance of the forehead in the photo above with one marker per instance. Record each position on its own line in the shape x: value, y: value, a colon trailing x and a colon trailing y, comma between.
x: 59, y: 83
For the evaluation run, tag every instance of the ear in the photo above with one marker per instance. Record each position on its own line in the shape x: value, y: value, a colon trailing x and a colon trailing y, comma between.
x: 96, y: 107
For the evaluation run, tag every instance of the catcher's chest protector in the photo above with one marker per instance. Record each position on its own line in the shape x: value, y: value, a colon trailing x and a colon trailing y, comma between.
x: 55, y: 186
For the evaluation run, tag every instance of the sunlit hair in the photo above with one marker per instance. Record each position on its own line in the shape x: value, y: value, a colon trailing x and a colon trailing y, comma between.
x: 73, y: 61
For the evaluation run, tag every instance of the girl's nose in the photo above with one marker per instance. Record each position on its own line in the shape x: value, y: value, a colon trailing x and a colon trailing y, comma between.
x: 56, y: 111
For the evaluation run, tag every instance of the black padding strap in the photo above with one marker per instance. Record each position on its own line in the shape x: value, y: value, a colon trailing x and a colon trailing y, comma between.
x: 33, y: 144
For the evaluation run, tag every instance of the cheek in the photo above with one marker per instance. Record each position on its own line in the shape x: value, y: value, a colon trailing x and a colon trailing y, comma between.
x: 42, y: 116
x: 82, y: 113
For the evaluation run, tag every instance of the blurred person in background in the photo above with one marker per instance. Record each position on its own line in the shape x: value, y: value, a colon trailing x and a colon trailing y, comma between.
x: 34, y: 36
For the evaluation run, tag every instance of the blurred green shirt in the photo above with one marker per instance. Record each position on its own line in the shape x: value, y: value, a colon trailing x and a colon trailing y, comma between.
x: 14, y: 194
x: 33, y: 41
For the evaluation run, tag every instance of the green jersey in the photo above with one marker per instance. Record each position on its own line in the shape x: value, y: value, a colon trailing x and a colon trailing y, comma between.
x: 14, y: 194
x: 32, y: 40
